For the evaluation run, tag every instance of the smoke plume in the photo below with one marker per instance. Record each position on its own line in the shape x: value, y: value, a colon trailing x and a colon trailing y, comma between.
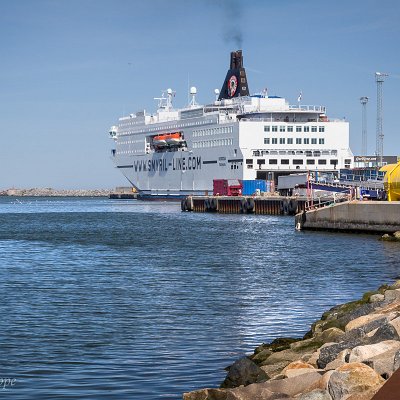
x: 232, y: 15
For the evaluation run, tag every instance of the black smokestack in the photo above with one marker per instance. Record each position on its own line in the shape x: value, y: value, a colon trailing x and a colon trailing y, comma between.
x: 235, y: 83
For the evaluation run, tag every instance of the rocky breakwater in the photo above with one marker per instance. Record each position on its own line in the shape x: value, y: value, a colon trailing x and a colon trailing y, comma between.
x: 347, y: 355
x: 49, y: 192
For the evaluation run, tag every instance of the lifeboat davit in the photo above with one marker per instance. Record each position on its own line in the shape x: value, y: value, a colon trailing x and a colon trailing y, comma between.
x: 173, y: 139
x: 159, y: 140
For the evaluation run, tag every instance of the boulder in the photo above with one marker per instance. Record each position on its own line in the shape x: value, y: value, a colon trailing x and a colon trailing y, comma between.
x: 396, y: 285
x: 396, y: 325
x: 386, y: 332
x: 255, y: 391
x: 362, y: 353
x: 297, y: 368
x: 351, y: 379
x: 282, y: 356
x: 295, y: 385
x: 366, y: 395
x: 341, y: 359
x: 364, y: 320
x: 274, y: 370
x: 385, y: 363
x: 391, y: 296
x: 330, y: 353
x: 396, y: 360
x: 243, y: 372
x: 376, y: 297
x: 261, y: 356
x: 206, y: 394
x: 316, y: 394
x: 329, y: 335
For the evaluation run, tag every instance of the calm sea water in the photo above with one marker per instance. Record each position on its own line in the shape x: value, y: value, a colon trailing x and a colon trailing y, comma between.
x: 134, y: 300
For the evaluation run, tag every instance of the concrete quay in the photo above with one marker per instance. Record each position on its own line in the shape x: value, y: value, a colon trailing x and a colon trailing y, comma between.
x: 352, y: 216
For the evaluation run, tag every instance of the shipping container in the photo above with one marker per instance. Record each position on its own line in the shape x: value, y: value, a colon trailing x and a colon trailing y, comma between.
x: 250, y: 186
x: 227, y: 187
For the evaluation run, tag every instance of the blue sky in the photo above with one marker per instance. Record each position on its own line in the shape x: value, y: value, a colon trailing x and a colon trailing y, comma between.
x: 70, y: 68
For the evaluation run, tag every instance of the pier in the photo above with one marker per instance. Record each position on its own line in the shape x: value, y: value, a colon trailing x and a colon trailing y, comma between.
x: 273, y: 205
x: 352, y: 216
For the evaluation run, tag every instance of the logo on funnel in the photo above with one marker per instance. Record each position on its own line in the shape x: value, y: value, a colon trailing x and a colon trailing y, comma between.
x: 232, y: 85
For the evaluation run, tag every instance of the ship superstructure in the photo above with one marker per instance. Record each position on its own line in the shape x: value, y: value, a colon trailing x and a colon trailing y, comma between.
x: 176, y: 152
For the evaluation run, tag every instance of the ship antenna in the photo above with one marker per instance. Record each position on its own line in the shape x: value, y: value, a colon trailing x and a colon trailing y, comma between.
x: 216, y: 92
x: 193, y: 92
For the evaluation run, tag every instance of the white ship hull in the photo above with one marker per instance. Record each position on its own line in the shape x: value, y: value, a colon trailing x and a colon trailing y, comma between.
x: 249, y: 137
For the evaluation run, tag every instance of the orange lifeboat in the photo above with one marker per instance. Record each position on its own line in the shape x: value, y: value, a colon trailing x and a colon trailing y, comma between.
x: 173, y: 139
x: 160, y: 140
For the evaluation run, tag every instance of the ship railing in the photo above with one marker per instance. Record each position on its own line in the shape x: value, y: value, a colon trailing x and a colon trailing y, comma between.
x: 301, y: 107
x: 327, y: 201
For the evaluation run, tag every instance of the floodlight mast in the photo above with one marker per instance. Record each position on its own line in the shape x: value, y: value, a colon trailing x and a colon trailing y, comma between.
x: 364, y: 101
x: 379, y: 78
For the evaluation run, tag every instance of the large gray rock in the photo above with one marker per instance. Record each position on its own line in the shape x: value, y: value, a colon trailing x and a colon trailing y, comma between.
x: 368, y: 322
x: 243, y: 372
x: 352, y: 379
x: 329, y: 353
x: 317, y: 394
x: 386, y: 332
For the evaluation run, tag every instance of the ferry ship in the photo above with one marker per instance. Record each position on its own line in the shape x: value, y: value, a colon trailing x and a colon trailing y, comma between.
x: 178, y: 152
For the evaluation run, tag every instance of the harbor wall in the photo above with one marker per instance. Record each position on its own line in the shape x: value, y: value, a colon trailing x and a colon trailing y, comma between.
x: 353, y: 216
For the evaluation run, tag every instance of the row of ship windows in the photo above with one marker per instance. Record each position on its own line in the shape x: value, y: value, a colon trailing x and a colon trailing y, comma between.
x: 290, y: 141
x: 299, y: 161
x: 163, y: 128
x: 213, y: 131
x: 212, y: 143
x: 130, y: 151
x: 131, y: 141
x: 290, y: 128
x: 308, y: 153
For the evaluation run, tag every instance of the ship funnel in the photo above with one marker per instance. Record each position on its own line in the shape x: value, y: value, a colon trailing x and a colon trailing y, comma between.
x: 235, y: 83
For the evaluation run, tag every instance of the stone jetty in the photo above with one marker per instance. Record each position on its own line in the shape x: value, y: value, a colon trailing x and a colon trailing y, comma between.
x: 49, y: 192
x: 348, y: 354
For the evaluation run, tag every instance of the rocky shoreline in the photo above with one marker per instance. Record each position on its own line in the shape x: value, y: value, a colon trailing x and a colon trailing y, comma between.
x: 348, y: 354
x: 49, y: 192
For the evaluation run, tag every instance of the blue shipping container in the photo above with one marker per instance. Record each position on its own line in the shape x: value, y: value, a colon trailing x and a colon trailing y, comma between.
x: 250, y: 186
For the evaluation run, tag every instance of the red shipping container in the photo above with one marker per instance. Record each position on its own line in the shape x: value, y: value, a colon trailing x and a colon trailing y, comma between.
x: 227, y: 187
